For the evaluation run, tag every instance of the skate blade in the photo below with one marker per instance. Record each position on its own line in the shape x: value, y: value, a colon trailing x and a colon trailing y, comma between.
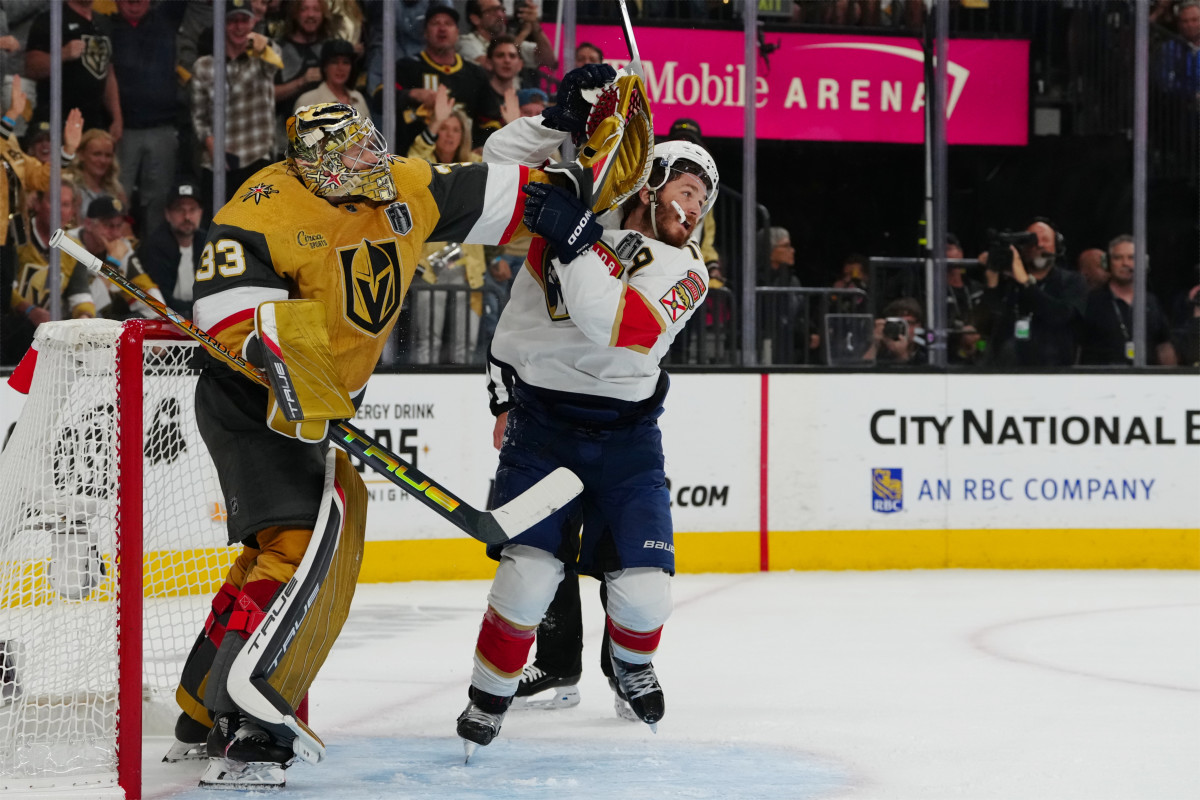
x: 623, y: 710
x: 225, y: 774
x: 547, y: 700
x: 468, y: 750
x: 182, y: 751
x: 653, y: 727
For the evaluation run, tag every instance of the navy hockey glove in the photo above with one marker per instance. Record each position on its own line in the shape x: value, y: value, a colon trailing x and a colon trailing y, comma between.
x: 570, y: 113
x: 561, y: 219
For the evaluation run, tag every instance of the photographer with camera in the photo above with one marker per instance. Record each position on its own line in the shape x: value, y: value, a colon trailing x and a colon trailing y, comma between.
x: 1036, y: 308
x: 900, y: 334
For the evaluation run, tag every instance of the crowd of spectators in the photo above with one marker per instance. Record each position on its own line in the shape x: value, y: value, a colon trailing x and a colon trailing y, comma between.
x: 138, y: 75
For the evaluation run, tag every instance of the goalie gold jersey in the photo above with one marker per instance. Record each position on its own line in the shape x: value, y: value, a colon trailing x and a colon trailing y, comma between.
x: 276, y: 240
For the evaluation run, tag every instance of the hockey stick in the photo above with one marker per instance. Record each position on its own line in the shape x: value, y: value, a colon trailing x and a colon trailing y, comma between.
x: 491, y: 527
x: 635, y: 60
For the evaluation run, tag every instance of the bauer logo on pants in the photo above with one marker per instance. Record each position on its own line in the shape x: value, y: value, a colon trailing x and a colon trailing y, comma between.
x: 887, y: 489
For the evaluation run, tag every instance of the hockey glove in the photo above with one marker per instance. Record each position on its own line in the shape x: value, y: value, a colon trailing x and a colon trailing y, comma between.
x: 561, y: 219
x: 570, y: 114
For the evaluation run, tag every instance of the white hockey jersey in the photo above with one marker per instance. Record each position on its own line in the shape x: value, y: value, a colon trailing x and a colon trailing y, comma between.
x: 601, y: 324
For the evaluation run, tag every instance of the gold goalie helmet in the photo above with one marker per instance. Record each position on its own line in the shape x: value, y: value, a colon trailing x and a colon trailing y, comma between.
x: 337, y: 152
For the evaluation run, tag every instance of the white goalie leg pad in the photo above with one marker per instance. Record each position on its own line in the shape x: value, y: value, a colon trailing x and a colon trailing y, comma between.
x: 639, y: 599
x: 248, y: 675
x: 525, y: 583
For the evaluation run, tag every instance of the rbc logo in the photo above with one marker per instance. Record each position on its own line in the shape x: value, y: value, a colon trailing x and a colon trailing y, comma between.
x: 887, y: 489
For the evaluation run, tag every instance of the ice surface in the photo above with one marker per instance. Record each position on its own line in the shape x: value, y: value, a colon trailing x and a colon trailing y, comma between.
x: 907, y: 685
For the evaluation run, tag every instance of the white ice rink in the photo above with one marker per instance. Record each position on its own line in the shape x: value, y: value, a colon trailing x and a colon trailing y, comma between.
x: 892, y: 685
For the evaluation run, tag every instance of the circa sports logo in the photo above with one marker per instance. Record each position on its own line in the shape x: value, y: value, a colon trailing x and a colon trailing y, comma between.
x: 371, y: 275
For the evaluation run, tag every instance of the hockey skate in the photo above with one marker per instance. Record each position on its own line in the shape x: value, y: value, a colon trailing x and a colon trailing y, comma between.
x: 541, y: 690
x: 637, y: 685
x: 620, y: 704
x: 191, y: 741
x: 479, y: 723
x: 241, y: 755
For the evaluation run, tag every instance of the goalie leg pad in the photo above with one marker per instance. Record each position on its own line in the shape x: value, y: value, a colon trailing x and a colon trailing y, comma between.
x: 270, y: 674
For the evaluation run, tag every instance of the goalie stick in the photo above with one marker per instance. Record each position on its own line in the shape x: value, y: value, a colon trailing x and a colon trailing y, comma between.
x: 490, y: 527
x: 635, y: 60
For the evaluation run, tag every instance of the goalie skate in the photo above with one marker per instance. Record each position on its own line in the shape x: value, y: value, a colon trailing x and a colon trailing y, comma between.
x: 185, y: 751
x: 224, y: 773
x: 191, y: 739
x: 539, y: 690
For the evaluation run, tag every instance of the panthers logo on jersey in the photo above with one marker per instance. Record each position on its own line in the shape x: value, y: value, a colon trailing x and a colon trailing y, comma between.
x: 371, y: 272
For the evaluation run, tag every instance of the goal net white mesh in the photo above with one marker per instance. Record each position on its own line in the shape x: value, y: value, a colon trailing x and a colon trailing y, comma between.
x: 64, y: 541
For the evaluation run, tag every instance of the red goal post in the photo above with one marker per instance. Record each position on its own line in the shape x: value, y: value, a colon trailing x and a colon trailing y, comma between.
x: 104, y: 469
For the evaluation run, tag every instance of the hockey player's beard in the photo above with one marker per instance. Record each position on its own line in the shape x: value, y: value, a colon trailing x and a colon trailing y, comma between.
x: 670, y: 230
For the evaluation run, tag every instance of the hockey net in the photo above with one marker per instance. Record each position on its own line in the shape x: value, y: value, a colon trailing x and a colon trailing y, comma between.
x: 112, y: 542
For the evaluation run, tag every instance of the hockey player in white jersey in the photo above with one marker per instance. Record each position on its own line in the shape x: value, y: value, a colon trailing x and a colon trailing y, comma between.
x: 575, y: 381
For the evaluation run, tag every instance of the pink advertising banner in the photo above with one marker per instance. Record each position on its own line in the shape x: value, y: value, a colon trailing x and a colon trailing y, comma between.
x: 827, y: 87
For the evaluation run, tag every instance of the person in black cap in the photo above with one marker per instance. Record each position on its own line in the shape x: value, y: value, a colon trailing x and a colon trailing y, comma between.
x: 337, y: 71
x: 687, y: 130
x: 171, y: 253
x: 439, y: 63
x: 102, y: 235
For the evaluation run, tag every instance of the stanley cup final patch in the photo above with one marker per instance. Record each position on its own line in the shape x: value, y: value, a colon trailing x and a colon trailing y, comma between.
x: 683, y: 295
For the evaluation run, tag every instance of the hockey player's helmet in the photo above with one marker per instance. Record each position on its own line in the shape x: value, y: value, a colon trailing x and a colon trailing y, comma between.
x: 678, y: 156
x: 337, y: 152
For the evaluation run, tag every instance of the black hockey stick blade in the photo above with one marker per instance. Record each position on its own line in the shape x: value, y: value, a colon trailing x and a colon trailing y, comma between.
x: 490, y: 527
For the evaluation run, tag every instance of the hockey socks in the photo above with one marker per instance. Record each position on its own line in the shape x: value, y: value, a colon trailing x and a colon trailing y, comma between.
x: 500, y: 654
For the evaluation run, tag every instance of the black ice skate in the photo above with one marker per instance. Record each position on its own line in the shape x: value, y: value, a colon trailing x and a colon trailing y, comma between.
x: 541, y: 690
x: 243, y: 756
x: 638, y: 685
x: 191, y: 741
x: 479, y: 722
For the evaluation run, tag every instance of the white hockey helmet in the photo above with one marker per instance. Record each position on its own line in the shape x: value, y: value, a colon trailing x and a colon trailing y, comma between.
x: 680, y: 156
x: 327, y: 143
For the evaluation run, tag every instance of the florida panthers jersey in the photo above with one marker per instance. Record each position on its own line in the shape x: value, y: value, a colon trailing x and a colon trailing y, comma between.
x: 600, y: 324
x: 276, y: 240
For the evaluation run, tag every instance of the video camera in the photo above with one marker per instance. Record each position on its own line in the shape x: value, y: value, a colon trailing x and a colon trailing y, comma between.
x: 999, y: 256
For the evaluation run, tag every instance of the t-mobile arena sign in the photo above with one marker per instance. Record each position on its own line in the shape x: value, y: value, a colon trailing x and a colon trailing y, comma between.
x: 828, y: 88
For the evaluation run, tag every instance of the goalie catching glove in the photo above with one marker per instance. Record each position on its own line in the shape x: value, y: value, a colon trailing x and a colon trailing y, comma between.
x: 607, y: 114
x: 290, y: 344
x: 562, y: 219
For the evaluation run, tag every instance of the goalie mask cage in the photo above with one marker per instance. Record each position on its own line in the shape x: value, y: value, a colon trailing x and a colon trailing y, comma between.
x: 112, y: 543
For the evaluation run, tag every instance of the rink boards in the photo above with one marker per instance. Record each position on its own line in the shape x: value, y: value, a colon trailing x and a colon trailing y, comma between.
x: 831, y: 471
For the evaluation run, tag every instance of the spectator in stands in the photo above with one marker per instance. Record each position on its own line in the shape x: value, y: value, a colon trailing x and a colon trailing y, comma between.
x: 1108, y: 318
x: 900, y: 334
x: 409, y: 35
x: 532, y: 102
x: 103, y: 235
x: 504, y: 63
x: 1036, y: 307
x: 171, y: 253
x: 33, y: 262
x: 144, y: 62
x: 337, y: 65
x: 20, y: 175
x: 439, y: 63
x: 853, y: 276
x: 588, y: 53
x: 37, y: 141
x: 1186, y: 333
x: 306, y: 28
x: 1092, y: 267
x: 251, y: 64
x: 488, y: 21
x: 1179, y: 70
x: 96, y: 172
x: 450, y: 266
x: 15, y: 19
x: 962, y: 293
x: 88, y: 80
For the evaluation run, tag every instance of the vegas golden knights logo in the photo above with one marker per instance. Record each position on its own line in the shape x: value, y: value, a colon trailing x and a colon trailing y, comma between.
x: 372, y: 278
x: 97, y: 55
